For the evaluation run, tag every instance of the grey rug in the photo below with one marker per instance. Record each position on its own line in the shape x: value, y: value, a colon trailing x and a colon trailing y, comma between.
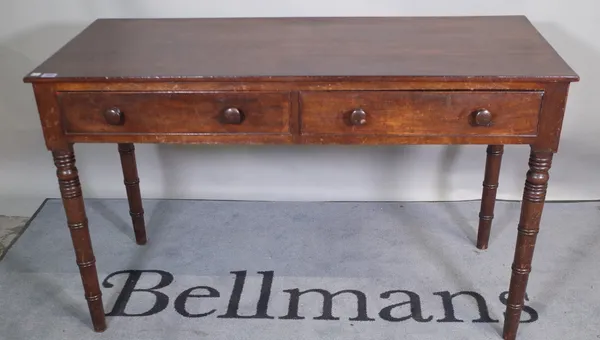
x: 261, y: 270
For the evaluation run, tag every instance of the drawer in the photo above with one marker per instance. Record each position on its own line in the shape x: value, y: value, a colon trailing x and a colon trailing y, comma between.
x: 174, y: 112
x: 450, y: 113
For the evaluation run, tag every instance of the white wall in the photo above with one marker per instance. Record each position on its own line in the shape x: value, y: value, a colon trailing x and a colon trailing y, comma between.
x: 30, y: 30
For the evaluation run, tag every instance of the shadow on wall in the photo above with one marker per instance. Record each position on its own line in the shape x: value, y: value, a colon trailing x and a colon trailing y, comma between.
x: 305, y: 168
x: 19, y: 54
x: 572, y: 173
x: 22, y: 151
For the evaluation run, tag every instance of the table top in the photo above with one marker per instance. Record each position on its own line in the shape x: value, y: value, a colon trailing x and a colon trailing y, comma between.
x: 444, y: 48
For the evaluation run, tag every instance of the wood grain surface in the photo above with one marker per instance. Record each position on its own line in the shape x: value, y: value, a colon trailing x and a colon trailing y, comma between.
x: 415, y: 113
x: 462, y: 48
x: 174, y: 113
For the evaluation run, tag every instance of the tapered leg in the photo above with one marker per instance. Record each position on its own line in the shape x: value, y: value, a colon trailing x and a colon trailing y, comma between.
x: 529, y: 225
x: 70, y: 190
x: 132, y: 185
x: 488, y: 197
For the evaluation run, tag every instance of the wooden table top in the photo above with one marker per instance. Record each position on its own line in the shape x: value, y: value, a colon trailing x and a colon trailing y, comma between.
x: 428, y: 48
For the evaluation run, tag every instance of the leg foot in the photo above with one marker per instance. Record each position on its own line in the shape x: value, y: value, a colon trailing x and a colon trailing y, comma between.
x: 132, y: 185
x: 532, y: 205
x: 488, y: 197
x: 70, y: 190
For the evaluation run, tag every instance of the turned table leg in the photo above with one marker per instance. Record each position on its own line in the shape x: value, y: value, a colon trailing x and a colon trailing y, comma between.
x: 70, y: 190
x: 529, y: 225
x: 488, y: 197
x: 132, y: 185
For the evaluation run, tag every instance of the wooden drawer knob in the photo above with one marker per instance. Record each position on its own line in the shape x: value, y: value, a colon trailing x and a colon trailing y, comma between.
x: 358, y: 117
x: 232, y: 115
x: 114, y: 116
x: 481, y: 117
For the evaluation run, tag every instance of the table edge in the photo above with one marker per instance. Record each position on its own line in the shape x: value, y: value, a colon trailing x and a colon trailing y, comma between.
x: 293, y: 78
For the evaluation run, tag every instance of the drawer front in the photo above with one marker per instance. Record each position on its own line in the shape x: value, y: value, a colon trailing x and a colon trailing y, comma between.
x: 174, y: 113
x: 413, y: 113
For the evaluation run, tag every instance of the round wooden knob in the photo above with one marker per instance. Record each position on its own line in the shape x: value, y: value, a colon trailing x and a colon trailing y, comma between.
x: 114, y: 116
x: 232, y: 115
x: 358, y: 117
x: 482, y: 117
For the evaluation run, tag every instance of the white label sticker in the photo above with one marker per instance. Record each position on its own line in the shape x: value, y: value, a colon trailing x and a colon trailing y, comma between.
x: 49, y: 75
x: 35, y: 74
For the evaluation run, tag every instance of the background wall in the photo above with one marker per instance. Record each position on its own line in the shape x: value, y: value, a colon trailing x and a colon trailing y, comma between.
x: 31, y: 30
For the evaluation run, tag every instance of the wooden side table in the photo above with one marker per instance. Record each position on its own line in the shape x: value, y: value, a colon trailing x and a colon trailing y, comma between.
x: 459, y: 80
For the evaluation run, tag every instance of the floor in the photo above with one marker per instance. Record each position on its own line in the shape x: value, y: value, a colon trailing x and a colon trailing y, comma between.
x: 10, y: 228
x: 245, y: 270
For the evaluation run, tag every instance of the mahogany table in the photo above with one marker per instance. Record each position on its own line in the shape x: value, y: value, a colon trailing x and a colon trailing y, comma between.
x: 460, y: 80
